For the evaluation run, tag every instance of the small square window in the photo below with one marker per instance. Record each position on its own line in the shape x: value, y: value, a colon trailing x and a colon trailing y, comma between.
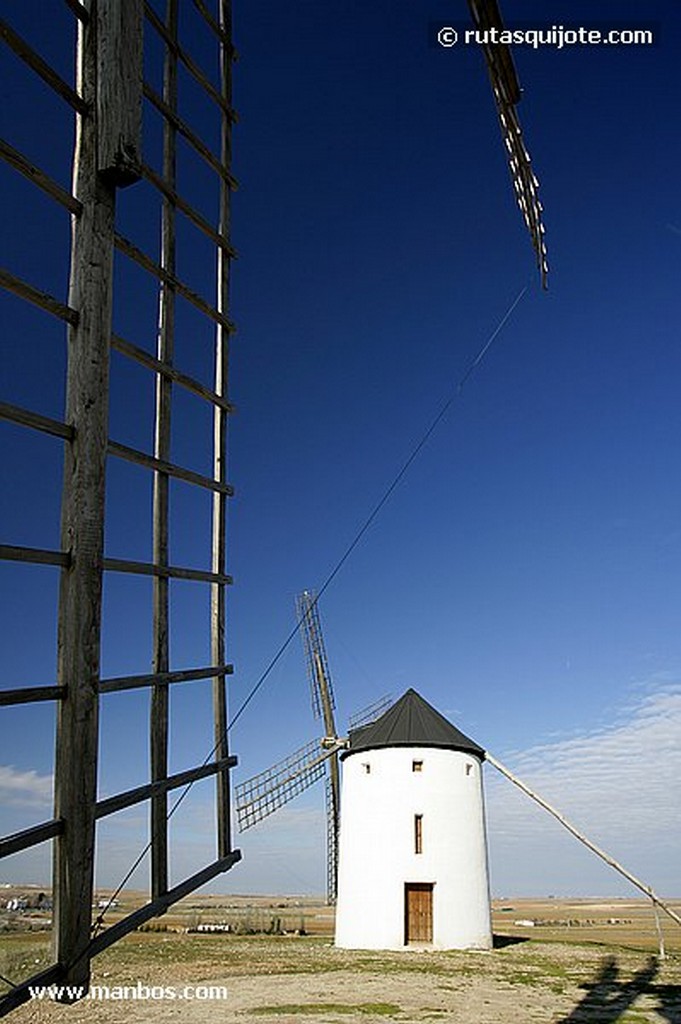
x: 469, y: 769
x: 367, y: 769
x: 417, y: 766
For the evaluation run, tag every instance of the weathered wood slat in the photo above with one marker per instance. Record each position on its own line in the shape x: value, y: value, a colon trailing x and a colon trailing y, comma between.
x: 122, y: 451
x: 82, y: 532
x: 23, y: 993
x: 45, y: 301
x: 80, y: 12
x: 29, y: 837
x: 192, y: 138
x: 189, y: 62
x: 119, y: 90
x: 38, y: 556
x: 29, y: 694
x: 128, y: 924
x: 27, y: 418
x: 113, y: 804
x: 170, y: 571
x: 220, y: 427
x: 217, y: 28
x: 140, y: 355
x: 158, y: 724
x: 194, y: 216
x: 134, y: 253
x: 21, y: 163
x: 115, y: 684
x: 41, y: 67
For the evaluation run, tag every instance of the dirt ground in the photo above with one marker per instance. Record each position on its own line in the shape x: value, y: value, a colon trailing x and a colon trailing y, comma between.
x: 576, y: 979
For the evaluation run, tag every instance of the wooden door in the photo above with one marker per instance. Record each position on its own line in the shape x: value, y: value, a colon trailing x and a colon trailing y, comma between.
x: 418, y: 912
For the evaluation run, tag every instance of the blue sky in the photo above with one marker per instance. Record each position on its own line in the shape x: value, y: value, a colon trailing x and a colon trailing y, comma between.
x: 524, y: 577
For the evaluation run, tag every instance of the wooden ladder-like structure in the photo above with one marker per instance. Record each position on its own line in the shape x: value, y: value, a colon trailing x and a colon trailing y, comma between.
x: 107, y: 97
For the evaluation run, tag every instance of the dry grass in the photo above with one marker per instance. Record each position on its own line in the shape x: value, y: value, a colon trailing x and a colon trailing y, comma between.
x: 587, y: 973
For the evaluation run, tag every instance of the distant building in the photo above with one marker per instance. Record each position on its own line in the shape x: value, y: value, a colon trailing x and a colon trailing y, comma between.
x: 18, y: 903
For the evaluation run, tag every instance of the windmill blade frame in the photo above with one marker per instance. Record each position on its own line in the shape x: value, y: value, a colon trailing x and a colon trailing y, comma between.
x: 316, y: 660
x: 507, y: 94
x: 266, y: 792
x: 369, y: 714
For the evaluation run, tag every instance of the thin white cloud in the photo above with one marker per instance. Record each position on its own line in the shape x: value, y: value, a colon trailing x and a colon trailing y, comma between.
x: 619, y: 784
x: 24, y: 788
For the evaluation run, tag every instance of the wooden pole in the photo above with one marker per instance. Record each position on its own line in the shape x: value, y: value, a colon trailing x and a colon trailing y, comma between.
x: 161, y: 604
x: 82, y: 514
x: 119, y: 90
x: 334, y: 781
x: 220, y: 426
x: 82, y: 535
x: 582, y: 838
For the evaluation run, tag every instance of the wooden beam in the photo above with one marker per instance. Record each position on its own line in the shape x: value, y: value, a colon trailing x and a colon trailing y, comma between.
x: 28, y: 418
x: 22, y: 993
x: 219, y: 31
x: 158, y: 725
x: 41, y: 67
x: 37, y: 556
x: 168, y: 571
x: 116, y: 931
x: 56, y: 973
x: 192, y: 67
x: 44, y: 300
x: 140, y: 355
x: 114, y: 685
x: 82, y: 533
x: 220, y: 429
x: 30, y: 694
x: 77, y: 8
x: 192, y: 138
x: 119, y: 90
x: 20, y: 163
x: 122, y: 451
x: 193, y: 215
x: 161, y: 787
x: 30, y: 837
x: 138, y: 256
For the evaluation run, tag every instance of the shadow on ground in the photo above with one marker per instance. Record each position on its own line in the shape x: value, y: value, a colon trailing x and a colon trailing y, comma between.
x: 499, y: 941
x: 608, y: 998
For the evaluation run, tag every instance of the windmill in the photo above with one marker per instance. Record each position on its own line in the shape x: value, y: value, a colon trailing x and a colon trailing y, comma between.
x: 265, y: 793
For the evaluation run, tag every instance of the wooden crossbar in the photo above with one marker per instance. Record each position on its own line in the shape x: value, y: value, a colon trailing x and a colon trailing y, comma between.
x: 21, y: 163
x: 41, y: 67
x: 140, y: 355
x: 30, y: 293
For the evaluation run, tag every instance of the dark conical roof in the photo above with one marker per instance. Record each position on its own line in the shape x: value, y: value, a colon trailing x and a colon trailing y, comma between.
x: 411, y: 722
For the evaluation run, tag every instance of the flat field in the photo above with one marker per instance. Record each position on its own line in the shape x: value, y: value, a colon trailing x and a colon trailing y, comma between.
x: 579, y: 962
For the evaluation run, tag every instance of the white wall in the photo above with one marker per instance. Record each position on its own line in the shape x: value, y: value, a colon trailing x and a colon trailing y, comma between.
x: 377, y: 857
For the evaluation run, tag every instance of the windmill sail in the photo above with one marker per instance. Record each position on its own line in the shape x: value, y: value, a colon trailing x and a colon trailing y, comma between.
x: 332, y: 835
x: 321, y: 690
x: 269, y: 790
x: 506, y: 89
x: 266, y: 792
x: 370, y: 713
x: 323, y: 704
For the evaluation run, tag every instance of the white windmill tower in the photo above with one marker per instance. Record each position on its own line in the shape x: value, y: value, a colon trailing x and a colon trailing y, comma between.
x: 413, y: 852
